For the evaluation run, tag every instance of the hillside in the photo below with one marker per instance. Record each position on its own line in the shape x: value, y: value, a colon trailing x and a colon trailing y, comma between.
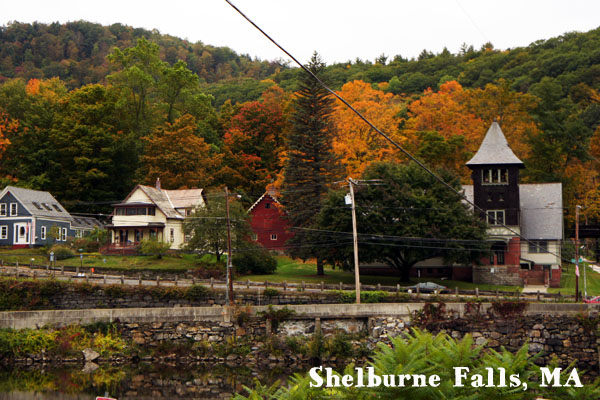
x: 76, y: 53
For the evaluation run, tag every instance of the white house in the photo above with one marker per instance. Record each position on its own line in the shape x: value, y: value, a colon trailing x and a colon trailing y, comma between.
x: 149, y: 212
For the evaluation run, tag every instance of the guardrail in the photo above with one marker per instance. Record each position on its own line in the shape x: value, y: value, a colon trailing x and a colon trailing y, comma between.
x: 85, y: 274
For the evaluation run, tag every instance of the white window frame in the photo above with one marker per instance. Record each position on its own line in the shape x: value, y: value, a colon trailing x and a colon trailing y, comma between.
x: 254, y: 237
x: 43, y: 233
x: 172, y: 234
x: 490, y: 176
x: 495, y: 214
x: 64, y: 234
x: 273, y: 236
x: 16, y: 209
x: 4, y: 232
x: 2, y: 209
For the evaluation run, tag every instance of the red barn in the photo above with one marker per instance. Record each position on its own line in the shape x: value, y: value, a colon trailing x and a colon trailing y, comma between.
x: 268, y: 223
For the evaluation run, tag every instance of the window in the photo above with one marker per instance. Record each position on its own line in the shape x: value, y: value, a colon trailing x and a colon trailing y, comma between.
x: 172, y: 235
x: 495, y: 176
x: 64, y: 234
x: 495, y: 217
x: 2, y: 209
x: 187, y: 237
x: 43, y: 233
x: 254, y: 237
x: 538, y: 246
x: 37, y: 205
x: 4, y: 232
x: 273, y: 236
x: 188, y: 212
x: 268, y: 205
x: 56, y: 207
x: 13, y: 209
x: 151, y: 211
x: 138, y: 236
x: 46, y: 206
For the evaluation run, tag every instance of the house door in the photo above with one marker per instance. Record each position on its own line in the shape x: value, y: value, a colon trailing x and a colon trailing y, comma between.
x: 21, y: 233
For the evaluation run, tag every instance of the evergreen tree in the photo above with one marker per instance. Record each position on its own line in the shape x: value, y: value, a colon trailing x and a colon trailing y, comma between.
x: 311, y: 164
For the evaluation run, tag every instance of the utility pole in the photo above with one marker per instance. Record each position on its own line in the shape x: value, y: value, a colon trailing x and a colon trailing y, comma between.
x: 582, y: 264
x: 577, y: 253
x: 355, y: 240
x: 229, y: 290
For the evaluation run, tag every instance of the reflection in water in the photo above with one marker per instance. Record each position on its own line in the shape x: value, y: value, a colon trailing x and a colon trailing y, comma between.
x: 142, y: 381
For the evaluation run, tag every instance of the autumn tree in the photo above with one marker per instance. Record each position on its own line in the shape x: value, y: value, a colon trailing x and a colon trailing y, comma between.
x: 176, y: 154
x: 311, y: 164
x: 253, y: 144
x: 356, y: 143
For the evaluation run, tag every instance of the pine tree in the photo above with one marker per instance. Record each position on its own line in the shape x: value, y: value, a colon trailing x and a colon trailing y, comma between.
x: 311, y: 165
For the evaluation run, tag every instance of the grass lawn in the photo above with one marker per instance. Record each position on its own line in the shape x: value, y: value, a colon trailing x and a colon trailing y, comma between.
x: 567, y: 281
x: 180, y: 262
x: 296, y: 271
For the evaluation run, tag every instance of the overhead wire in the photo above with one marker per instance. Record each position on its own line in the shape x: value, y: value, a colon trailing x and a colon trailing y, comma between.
x: 381, y: 133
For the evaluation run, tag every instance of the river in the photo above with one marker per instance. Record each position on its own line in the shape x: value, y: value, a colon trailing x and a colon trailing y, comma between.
x: 142, y: 381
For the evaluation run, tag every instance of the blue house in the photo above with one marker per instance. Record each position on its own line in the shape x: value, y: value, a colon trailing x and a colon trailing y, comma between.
x: 27, y: 217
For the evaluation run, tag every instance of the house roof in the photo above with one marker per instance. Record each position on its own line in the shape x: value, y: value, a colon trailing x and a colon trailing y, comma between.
x: 168, y: 200
x: 37, y: 202
x: 185, y: 198
x: 541, y: 210
x: 261, y: 198
x: 78, y: 222
x: 494, y: 150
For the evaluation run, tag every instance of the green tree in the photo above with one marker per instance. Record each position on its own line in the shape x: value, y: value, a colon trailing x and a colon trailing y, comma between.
x: 311, y: 164
x: 207, y: 227
x: 406, y: 218
x: 138, y: 71
x: 177, y: 83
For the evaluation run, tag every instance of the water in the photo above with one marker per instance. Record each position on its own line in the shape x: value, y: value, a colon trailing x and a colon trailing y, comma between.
x: 143, y: 381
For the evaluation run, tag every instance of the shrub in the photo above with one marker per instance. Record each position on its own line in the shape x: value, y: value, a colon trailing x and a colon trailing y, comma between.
x: 87, y: 244
x: 61, y: 252
x: 152, y: 247
x: 196, y: 292
x: 270, y: 292
x: 254, y: 259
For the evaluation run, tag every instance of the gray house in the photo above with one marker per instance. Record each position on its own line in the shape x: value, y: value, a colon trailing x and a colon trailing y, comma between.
x: 27, y: 217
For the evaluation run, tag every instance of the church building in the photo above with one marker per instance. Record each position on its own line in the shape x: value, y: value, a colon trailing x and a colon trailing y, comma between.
x: 525, y: 220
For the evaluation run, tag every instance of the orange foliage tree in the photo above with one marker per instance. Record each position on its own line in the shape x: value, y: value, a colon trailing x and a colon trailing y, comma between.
x: 443, y: 117
x: 178, y: 156
x: 355, y: 142
x: 6, y: 126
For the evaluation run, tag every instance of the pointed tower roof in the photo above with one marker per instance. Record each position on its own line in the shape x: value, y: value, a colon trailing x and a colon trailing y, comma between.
x: 494, y: 150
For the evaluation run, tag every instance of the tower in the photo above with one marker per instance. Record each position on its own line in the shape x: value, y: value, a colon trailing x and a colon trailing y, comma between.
x: 495, y: 174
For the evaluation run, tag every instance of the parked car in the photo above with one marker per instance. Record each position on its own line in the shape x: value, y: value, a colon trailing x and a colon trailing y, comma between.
x: 593, y: 300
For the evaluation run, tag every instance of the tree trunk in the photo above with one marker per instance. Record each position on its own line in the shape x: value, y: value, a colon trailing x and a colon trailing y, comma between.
x: 405, y: 274
x: 320, y: 269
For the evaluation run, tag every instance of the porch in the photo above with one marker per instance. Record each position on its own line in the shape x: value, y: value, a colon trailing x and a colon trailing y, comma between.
x: 125, y: 239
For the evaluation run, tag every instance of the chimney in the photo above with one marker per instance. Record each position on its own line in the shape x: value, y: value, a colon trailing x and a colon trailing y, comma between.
x: 158, y: 183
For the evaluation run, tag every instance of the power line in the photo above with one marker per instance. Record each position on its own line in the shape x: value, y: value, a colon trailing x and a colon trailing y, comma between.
x: 384, y: 135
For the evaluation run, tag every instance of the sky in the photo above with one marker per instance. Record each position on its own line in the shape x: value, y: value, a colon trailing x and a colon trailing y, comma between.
x: 340, y: 30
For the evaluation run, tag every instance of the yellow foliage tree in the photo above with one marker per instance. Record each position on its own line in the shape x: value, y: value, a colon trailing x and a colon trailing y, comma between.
x: 178, y: 156
x: 356, y: 143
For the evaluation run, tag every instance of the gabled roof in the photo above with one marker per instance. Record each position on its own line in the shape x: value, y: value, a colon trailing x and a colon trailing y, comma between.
x: 168, y: 200
x: 37, y: 202
x: 541, y: 210
x: 494, y: 150
x: 261, y: 198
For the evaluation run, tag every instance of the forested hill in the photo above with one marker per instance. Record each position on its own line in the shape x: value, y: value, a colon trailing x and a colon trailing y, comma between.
x: 88, y: 111
x: 76, y: 53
